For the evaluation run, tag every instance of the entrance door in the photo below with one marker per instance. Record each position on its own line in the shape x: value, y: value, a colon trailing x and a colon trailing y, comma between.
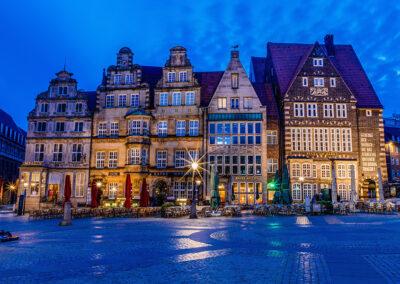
x: 52, y: 194
x: 368, y: 190
x: 222, y: 192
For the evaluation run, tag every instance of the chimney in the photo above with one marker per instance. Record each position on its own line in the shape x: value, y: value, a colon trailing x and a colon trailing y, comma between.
x: 330, y: 47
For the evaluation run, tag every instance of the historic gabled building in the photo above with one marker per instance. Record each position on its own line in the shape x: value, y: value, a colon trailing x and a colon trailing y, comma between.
x: 392, y: 147
x: 12, y: 153
x: 236, y: 136
x: 177, y: 130
x: 331, y: 117
x: 58, y: 144
x: 121, y: 127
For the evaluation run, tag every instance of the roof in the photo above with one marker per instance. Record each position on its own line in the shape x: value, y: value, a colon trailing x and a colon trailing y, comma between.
x: 257, y: 70
x: 91, y: 99
x: 6, y: 119
x: 209, y: 82
x: 151, y: 75
x: 267, y: 98
x: 288, y: 58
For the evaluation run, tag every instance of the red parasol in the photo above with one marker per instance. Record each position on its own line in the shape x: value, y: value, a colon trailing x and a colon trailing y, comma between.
x: 67, y: 189
x: 94, y: 195
x: 144, y: 195
x: 128, y: 192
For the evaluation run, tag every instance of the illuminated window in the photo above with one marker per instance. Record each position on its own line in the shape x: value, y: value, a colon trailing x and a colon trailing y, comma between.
x: 332, y: 82
x: 318, y: 62
x: 222, y: 103
x: 235, y: 80
x: 319, y: 82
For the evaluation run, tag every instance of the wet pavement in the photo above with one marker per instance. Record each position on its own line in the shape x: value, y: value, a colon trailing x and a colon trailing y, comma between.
x: 320, y: 249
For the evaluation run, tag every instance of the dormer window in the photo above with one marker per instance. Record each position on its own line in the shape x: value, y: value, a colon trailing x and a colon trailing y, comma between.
x: 171, y: 77
x: 235, y: 80
x: 332, y: 82
x: 62, y: 90
x: 318, y: 62
x: 117, y: 79
x: 305, y: 81
x: 128, y: 79
x: 183, y: 76
x: 319, y: 82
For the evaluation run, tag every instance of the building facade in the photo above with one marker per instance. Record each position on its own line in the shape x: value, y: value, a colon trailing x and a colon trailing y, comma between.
x: 331, y: 118
x: 12, y: 153
x: 177, y: 128
x: 306, y: 107
x: 121, y: 129
x: 392, y: 147
x: 58, y: 144
x: 236, y: 137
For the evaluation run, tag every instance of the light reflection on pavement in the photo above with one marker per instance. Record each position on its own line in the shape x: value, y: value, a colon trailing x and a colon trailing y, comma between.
x: 316, y: 249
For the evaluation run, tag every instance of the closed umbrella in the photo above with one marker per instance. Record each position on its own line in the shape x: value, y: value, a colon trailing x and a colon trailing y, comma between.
x: 353, y: 193
x: 144, y: 195
x: 128, y: 192
x: 334, y: 185
x: 215, y: 198
x: 67, y: 189
x: 94, y: 195
x: 380, y: 184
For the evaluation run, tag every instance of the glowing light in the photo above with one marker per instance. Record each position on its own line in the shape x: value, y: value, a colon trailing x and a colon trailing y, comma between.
x: 301, y: 178
x: 198, y: 182
x: 195, y: 166
x: 98, y: 184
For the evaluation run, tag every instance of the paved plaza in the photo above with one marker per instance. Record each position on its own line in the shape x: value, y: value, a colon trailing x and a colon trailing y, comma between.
x: 320, y: 249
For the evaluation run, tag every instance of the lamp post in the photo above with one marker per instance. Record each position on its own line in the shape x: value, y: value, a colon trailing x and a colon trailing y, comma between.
x: 193, y: 209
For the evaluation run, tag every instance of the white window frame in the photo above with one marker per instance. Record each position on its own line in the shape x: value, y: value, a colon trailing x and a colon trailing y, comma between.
x: 221, y: 103
x: 100, y: 159
x: 272, y: 165
x: 180, y: 128
x: 296, y: 191
x: 328, y: 110
x: 162, y: 128
x: 113, y: 190
x: 135, y: 100
x: 180, y: 159
x: 134, y: 157
x: 171, y: 77
x: 341, y: 110
x: 122, y: 100
x: 319, y: 82
x: 312, y: 110
x: 161, y: 158
x: 194, y: 127
x: 109, y: 101
x: 248, y: 103
x: 114, y: 128
x: 113, y: 159
x: 183, y: 76
x: 39, y: 152
x: 80, y: 179
x: 332, y: 82
x: 304, y: 81
x: 102, y: 129
x: 58, y: 149
x: 77, y: 152
x: 318, y: 62
x: 176, y: 99
x: 189, y: 98
x: 163, y: 99
x: 298, y: 109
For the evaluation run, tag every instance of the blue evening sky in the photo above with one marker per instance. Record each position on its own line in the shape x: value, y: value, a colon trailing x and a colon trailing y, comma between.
x: 36, y: 36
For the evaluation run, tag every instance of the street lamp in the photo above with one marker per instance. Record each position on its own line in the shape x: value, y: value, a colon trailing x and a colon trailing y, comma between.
x: 98, y: 184
x: 301, y: 179
x: 193, y: 209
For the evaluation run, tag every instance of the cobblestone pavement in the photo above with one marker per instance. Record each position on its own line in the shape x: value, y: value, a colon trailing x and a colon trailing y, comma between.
x: 320, y: 249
